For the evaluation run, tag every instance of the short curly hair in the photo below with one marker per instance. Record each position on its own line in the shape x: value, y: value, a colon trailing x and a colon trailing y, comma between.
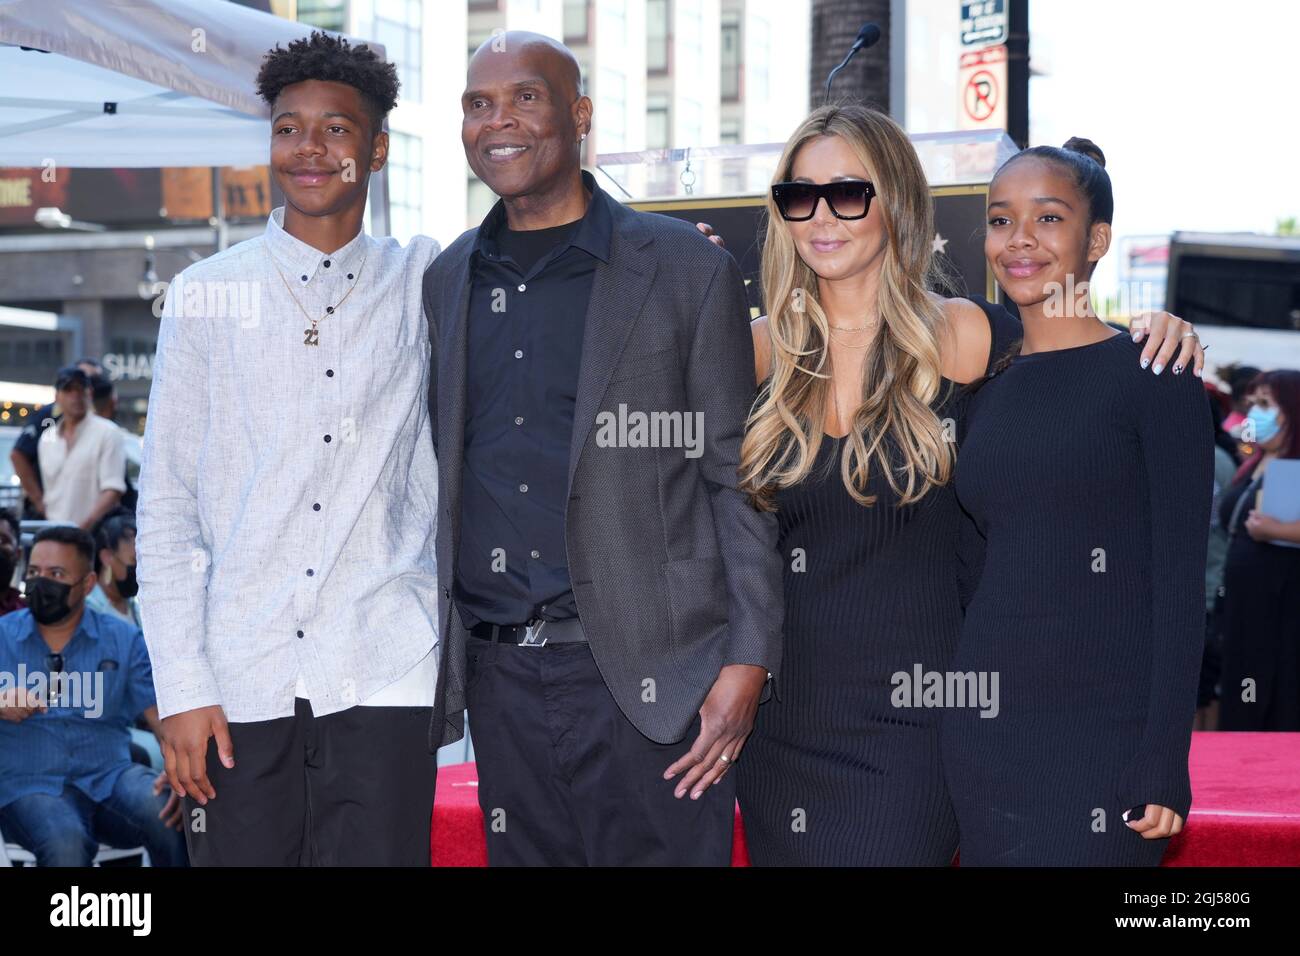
x: 324, y: 57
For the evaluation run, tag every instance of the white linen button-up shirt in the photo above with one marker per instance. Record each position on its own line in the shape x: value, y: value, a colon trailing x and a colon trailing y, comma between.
x: 288, y: 492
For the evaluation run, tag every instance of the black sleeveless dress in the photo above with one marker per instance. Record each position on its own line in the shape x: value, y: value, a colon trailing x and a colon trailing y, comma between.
x: 834, y: 773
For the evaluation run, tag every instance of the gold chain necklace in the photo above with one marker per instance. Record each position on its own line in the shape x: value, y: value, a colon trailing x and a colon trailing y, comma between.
x: 311, y: 336
x: 846, y: 345
x: 849, y: 329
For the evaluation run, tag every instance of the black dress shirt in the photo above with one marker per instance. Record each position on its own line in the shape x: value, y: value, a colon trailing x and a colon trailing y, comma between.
x: 527, y: 315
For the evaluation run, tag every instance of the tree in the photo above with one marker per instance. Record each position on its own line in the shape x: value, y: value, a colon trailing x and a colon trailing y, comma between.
x: 1288, y: 227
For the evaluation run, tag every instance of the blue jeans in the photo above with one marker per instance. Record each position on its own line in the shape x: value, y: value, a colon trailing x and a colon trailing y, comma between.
x: 66, y: 830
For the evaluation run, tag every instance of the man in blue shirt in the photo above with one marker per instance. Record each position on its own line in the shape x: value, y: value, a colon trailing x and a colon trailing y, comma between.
x: 72, y: 681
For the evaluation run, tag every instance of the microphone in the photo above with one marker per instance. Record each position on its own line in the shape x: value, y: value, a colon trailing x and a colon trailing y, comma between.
x: 867, y: 36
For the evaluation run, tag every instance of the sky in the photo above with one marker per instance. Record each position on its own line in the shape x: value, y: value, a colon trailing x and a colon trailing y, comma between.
x: 1196, y: 105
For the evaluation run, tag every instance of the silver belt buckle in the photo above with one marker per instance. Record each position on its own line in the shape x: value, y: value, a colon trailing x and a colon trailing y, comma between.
x: 531, y: 631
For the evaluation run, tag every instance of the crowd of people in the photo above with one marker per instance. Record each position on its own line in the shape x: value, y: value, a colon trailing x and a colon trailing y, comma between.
x: 79, y: 759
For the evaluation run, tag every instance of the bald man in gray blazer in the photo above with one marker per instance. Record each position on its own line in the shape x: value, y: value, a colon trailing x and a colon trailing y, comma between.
x: 611, y: 610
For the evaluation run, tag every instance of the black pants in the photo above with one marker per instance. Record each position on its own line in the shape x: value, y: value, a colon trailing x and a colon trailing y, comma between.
x: 352, y: 788
x: 566, y: 780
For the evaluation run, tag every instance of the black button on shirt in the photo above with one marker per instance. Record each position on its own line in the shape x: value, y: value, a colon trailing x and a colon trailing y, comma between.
x: 527, y: 315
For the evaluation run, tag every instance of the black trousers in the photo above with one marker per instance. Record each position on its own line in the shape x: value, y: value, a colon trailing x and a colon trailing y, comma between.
x: 352, y: 788
x: 566, y: 780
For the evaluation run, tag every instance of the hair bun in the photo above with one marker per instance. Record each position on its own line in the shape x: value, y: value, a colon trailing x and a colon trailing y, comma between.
x: 1077, y: 144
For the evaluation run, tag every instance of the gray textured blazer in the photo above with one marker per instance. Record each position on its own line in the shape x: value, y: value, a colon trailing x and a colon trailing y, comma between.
x: 674, y: 573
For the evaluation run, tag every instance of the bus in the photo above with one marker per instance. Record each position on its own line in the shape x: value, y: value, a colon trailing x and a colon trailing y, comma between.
x: 1242, y: 292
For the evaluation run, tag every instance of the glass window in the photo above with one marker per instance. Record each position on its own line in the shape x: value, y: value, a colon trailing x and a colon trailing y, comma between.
x: 612, y: 112
x: 690, y: 35
x: 758, y: 87
x: 692, y: 123
x: 658, y: 128
x: 405, y: 185
x: 575, y: 21
x: 397, y: 27
x: 326, y: 14
x: 656, y: 30
x: 731, y: 57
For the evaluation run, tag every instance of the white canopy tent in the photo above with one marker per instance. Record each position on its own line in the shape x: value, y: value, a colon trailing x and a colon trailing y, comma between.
x: 140, y: 83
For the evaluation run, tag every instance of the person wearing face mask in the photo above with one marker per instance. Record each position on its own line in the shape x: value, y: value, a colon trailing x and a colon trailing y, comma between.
x: 1261, y: 577
x: 10, y: 536
x: 116, y: 588
x: 72, y: 680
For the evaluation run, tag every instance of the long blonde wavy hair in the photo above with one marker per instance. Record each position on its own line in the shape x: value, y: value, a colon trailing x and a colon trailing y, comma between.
x: 895, y: 429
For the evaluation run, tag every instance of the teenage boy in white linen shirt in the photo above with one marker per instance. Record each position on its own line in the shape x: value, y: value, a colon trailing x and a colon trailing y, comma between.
x: 287, y: 508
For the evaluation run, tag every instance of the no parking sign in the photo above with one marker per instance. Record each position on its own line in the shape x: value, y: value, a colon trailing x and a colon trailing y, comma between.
x: 982, y: 86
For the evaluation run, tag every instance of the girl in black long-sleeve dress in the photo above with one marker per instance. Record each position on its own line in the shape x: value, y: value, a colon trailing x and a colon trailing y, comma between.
x: 1091, y: 482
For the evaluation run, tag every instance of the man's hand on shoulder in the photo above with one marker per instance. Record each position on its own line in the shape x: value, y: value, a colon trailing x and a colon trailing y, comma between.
x: 713, y: 237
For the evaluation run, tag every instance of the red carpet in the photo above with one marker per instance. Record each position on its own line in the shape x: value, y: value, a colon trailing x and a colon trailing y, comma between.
x: 1245, y: 810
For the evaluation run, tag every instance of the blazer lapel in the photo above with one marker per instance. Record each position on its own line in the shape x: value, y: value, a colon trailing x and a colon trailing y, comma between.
x: 452, y: 357
x: 618, y: 293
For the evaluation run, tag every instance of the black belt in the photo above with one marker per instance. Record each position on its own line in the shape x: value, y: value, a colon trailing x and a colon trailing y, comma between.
x: 538, y: 634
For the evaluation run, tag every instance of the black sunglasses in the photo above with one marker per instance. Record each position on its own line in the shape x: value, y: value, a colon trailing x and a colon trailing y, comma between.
x: 846, y: 199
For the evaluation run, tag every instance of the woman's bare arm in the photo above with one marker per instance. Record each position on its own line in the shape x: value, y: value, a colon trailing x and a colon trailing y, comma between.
x: 964, y: 340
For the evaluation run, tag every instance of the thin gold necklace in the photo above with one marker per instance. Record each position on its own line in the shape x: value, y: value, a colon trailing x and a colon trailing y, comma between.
x: 865, y: 345
x: 833, y: 329
x: 311, y: 336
